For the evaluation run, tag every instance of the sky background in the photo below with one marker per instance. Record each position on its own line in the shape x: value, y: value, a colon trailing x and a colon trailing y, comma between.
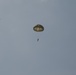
x: 54, y: 53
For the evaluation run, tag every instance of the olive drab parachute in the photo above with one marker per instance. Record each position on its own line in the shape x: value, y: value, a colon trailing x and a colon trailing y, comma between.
x: 38, y: 28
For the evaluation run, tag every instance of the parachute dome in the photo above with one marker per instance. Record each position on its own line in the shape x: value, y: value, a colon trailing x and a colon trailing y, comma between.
x: 38, y: 28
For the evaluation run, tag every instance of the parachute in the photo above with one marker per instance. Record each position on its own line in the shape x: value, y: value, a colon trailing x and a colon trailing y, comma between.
x: 38, y: 28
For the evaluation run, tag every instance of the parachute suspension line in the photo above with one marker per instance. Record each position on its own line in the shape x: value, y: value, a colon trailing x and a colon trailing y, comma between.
x: 37, y: 37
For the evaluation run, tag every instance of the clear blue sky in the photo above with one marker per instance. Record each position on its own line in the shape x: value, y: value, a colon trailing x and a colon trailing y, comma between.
x: 21, y: 54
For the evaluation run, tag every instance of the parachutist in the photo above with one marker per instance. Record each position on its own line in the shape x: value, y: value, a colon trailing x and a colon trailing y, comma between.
x: 37, y: 39
x: 38, y: 28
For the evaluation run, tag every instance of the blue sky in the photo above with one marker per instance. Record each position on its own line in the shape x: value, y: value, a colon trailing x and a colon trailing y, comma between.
x: 21, y: 54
